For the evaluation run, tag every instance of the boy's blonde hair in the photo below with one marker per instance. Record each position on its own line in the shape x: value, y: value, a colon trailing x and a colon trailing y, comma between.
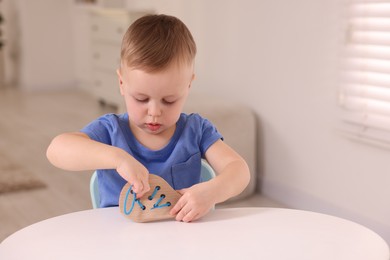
x: 153, y: 42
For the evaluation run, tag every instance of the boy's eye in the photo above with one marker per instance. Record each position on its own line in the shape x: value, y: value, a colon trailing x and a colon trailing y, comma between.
x: 141, y: 100
x: 168, y: 102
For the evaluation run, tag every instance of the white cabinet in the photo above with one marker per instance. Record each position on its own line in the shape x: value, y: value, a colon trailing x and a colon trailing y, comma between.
x: 107, y: 27
x: 43, y: 44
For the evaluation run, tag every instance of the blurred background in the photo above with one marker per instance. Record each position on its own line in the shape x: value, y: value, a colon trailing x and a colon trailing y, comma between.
x: 281, y: 58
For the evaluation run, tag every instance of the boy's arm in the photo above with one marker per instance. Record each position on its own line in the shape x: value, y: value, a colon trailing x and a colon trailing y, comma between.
x: 232, y: 171
x: 77, y: 152
x: 232, y: 177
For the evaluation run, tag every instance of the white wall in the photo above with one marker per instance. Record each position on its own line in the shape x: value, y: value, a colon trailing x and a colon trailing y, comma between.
x: 46, y: 44
x: 281, y: 58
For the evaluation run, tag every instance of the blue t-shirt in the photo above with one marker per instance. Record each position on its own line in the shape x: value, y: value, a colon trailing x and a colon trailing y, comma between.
x: 179, y: 162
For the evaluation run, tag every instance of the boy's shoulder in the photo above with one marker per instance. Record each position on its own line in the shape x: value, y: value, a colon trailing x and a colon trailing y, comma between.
x: 102, y: 128
x: 195, y: 120
x: 112, y: 117
x: 192, y: 118
x: 108, y: 121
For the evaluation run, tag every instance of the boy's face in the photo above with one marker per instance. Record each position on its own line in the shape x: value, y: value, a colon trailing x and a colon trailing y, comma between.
x: 155, y: 100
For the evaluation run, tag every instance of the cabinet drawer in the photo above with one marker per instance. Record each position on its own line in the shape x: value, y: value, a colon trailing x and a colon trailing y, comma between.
x: 106, y: 87
x: 111, y: 25
x: 105, y: 56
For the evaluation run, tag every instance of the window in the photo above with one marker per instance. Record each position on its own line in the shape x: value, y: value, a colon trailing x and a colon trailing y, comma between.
x: 365, y: 87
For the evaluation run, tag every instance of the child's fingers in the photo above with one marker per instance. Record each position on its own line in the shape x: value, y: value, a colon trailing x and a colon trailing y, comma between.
x: 145, y: 183
x: 191, y: 206
x: 140, y: 186
x: 179, y: 205
x: 145, y: 188
x: 183, y: 210
x: 187, y: 214
x: 191, y: 216
x: 183, y: 213
x: 175, y: 209
x: 137, y: 186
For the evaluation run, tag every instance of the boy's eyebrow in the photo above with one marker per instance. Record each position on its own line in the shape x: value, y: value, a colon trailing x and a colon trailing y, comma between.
x: 170, y: 96
x: 144, y: 95
x: 140, y: 94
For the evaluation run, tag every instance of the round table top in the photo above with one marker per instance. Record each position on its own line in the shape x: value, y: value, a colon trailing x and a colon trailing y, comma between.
x: 238, y: 233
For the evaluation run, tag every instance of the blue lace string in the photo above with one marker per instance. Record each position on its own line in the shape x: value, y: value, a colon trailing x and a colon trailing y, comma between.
x: 140, y: 204
x: 154, y: 192
x: 126, y: 199
x: 159, y: 200
x: 155, y: 205
x: 161, y: 206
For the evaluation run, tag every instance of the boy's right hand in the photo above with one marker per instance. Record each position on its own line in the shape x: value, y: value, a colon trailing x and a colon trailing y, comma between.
x: 136, y: 174
x: 75, y: 151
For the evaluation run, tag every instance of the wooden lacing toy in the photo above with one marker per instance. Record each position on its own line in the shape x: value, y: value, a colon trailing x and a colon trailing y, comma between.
x: 154, y: 205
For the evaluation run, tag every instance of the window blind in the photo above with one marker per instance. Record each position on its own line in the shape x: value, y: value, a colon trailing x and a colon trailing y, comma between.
x: 365, y: 84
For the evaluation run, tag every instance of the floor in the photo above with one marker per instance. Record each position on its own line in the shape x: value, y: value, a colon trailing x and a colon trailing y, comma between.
x: 28, y: 122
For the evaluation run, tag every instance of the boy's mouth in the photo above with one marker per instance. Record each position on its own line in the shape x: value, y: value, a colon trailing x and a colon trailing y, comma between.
x: 153, y: 127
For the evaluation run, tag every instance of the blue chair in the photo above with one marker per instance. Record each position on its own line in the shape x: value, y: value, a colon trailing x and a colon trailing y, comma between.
x: 206, y: 172
x: 94, y: 190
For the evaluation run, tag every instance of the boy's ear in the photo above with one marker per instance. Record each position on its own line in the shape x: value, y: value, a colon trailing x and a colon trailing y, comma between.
x: 120, y: 81
x: 192, y: 79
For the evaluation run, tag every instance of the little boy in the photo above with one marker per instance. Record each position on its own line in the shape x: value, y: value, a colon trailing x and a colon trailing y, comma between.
x: 155, y: 76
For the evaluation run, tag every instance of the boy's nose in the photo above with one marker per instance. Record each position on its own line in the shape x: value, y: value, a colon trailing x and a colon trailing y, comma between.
x: 154, y: 110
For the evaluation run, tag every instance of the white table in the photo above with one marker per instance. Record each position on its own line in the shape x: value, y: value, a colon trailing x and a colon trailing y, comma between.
x: 242, y: 233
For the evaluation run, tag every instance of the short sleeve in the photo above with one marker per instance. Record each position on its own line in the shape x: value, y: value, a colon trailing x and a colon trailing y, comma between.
x: 101, y: 129
x: 210, y: 135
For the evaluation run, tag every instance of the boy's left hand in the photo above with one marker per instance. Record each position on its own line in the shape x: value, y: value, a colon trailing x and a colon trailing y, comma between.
x: 195, y: 203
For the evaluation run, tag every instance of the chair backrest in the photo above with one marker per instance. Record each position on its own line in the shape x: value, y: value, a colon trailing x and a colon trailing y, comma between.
x: 94, y: 190
x: 206, y: 172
